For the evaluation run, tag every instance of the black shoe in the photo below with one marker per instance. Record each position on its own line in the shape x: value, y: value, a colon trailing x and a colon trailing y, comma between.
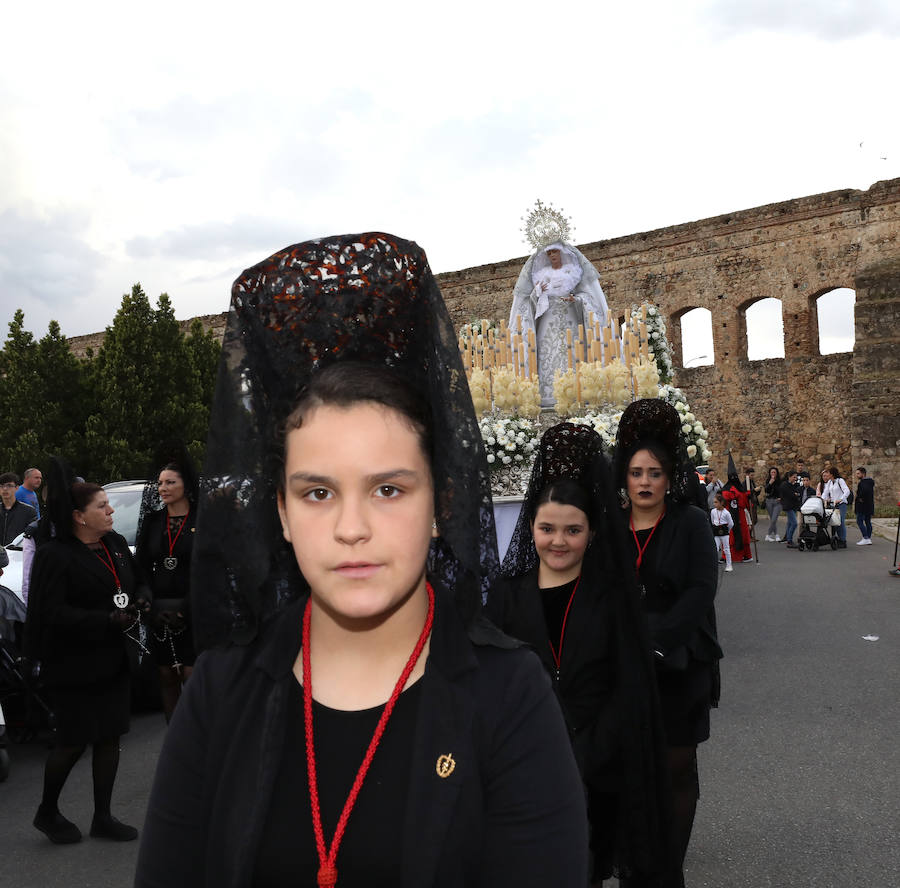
x: 790, y: 545
x: 59, y: 830
x: 842, y: 544
x: 107, y: 827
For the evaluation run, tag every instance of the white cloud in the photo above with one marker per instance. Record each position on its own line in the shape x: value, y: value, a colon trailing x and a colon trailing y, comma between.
x: 178, y: 144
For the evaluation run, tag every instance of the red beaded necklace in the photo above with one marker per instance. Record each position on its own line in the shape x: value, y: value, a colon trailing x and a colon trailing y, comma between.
x: 327, y: 876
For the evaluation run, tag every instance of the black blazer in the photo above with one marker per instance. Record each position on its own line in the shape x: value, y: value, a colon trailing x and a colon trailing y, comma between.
x: 686, y: 568
x: 585, y: 681
x: 510, y: 814
x: 69, y: 602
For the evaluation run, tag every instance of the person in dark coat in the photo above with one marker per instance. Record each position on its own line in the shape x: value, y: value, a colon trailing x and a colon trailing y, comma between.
x: 864, y: 505
x: 675, y: 562
x: 165, y: 540
x: 790, y: 503
x: 569, y: 594
x: 377, y: 730
x: 83, y: 609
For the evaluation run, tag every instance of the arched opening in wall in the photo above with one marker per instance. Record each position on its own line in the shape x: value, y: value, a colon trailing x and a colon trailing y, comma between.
x: 835, y: 310
x: 697, y: 338
x: 765, y: 329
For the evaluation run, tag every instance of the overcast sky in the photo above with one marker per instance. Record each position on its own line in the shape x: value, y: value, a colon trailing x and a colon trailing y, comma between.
x: 177, y: 143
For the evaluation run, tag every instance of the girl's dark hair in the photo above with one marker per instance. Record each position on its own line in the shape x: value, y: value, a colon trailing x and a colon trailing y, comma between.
x: 349, y: 383
x: 566, y: 492
x: 172, y: 467
x: 835, y: 472
x: 659, y: 451
x: 82, y: 492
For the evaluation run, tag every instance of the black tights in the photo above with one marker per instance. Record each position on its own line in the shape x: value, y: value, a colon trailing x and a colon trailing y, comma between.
x: 685, y: 792
x: 104, y: 764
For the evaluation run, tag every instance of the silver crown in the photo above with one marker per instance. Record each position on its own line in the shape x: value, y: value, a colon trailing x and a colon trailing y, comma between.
x: 545, y: 225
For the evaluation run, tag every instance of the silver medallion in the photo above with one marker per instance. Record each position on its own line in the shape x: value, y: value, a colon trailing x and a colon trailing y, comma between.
x: 170, y: 563
x: 120, y: 600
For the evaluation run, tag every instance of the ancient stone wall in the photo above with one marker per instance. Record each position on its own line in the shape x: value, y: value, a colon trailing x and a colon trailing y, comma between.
x: 771, y: 411
x: 840, y: 408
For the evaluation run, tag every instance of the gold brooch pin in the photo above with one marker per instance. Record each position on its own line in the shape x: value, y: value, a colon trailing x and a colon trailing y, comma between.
x: 445, y: 765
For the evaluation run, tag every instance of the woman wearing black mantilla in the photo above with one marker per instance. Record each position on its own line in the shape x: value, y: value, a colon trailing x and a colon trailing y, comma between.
x: 569, y: 592
x: 165, y: 540
x: 675, y: 562
x: 84, y: 608
x: 377, y: 731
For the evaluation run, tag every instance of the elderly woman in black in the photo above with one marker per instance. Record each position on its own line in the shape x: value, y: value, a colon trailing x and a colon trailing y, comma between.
x: 674, y: 558
x: 82, y: 612
x: 378, y: 731
x: 164, y: 544
x: 569, y: 592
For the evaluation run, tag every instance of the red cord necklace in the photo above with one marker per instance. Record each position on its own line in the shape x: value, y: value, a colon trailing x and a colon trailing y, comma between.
x: 641, y: 549
x: 556, y: 653
x: 108, y: 563
x: 171, y: 562
x: 327, y: 876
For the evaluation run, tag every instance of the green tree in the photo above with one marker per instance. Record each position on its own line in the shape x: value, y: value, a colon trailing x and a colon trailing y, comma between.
x: 19, y: 395
x: 149, y: 387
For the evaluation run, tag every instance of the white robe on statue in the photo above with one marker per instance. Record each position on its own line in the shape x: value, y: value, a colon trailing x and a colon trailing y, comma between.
x: 541, y: 298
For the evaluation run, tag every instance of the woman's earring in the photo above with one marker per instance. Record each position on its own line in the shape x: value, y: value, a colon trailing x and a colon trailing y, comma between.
x: 434, y: 530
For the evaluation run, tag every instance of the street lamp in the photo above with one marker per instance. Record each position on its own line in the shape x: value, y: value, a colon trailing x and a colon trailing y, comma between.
x: 695, y: 358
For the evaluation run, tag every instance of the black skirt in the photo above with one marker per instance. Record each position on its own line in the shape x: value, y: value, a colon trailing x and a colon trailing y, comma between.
x: 89, y: 713
x: 685, y: 697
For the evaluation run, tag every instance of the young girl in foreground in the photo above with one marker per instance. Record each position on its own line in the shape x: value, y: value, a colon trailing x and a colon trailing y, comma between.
x: 378, y: 731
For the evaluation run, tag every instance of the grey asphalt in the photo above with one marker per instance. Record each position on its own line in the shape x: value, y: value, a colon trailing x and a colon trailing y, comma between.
x: 800, y: 781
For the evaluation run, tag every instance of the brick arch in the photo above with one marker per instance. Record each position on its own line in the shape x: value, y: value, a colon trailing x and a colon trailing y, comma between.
x: 673, y: 332
x: 743, y: 343
x: 814, y: 312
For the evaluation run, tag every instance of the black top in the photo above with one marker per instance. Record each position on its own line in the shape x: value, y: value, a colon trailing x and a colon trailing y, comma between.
x: 367, y: 856
x: 790, y: 499
x: 153, y: 549
x: 14, y: 520
x: 556, y: 601
x: 865, y: 497
x: 69, y: 604
x: 510, y: 813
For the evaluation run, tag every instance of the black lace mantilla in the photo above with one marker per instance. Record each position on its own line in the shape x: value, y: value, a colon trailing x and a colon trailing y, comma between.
x: 366, y: 297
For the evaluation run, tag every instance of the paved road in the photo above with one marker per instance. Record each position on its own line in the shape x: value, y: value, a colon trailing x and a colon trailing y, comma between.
x: 800, y: 781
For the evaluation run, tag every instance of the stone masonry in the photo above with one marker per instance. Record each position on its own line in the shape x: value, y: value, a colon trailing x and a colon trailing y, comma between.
x: 841, y: 408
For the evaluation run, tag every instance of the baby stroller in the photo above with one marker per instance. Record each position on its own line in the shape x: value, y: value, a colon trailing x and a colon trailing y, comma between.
x: 818, y: 525
x: 21, y: 706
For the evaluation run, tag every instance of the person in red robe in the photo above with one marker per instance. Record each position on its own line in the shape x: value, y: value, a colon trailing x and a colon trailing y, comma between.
x: 737, y: 499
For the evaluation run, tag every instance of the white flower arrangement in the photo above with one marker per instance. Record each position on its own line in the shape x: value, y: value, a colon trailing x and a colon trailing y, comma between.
x: 508, y: 441
x: 659, y: 343
x: 692, y: 430
x: 604, y: 422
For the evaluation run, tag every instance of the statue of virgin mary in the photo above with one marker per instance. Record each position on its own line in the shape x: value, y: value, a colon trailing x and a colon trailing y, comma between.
x: 558, y: 289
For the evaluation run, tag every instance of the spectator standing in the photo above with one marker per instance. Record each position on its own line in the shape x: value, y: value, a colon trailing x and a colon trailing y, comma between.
x: 835, y: 492
x: 15, y: 516
x: 806, y: 488
x: 790, y: 502
x: 27, y: 490
x: 722, y: 522
x: 713, y: 486
x: 754, y: 490
x: 773, y: 503
x: 864, y: 505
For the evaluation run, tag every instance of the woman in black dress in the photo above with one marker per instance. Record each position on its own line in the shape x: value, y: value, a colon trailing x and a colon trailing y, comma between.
x: 570, y: 594
x: 378, y: 727
x: 83, y: 609
x: 164, y: 543
x: 674, y: 557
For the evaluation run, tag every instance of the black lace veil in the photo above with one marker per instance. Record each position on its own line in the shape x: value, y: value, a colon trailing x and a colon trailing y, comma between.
x: 363, y: 297
x: 575, y: 452
x: 656, y: 422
